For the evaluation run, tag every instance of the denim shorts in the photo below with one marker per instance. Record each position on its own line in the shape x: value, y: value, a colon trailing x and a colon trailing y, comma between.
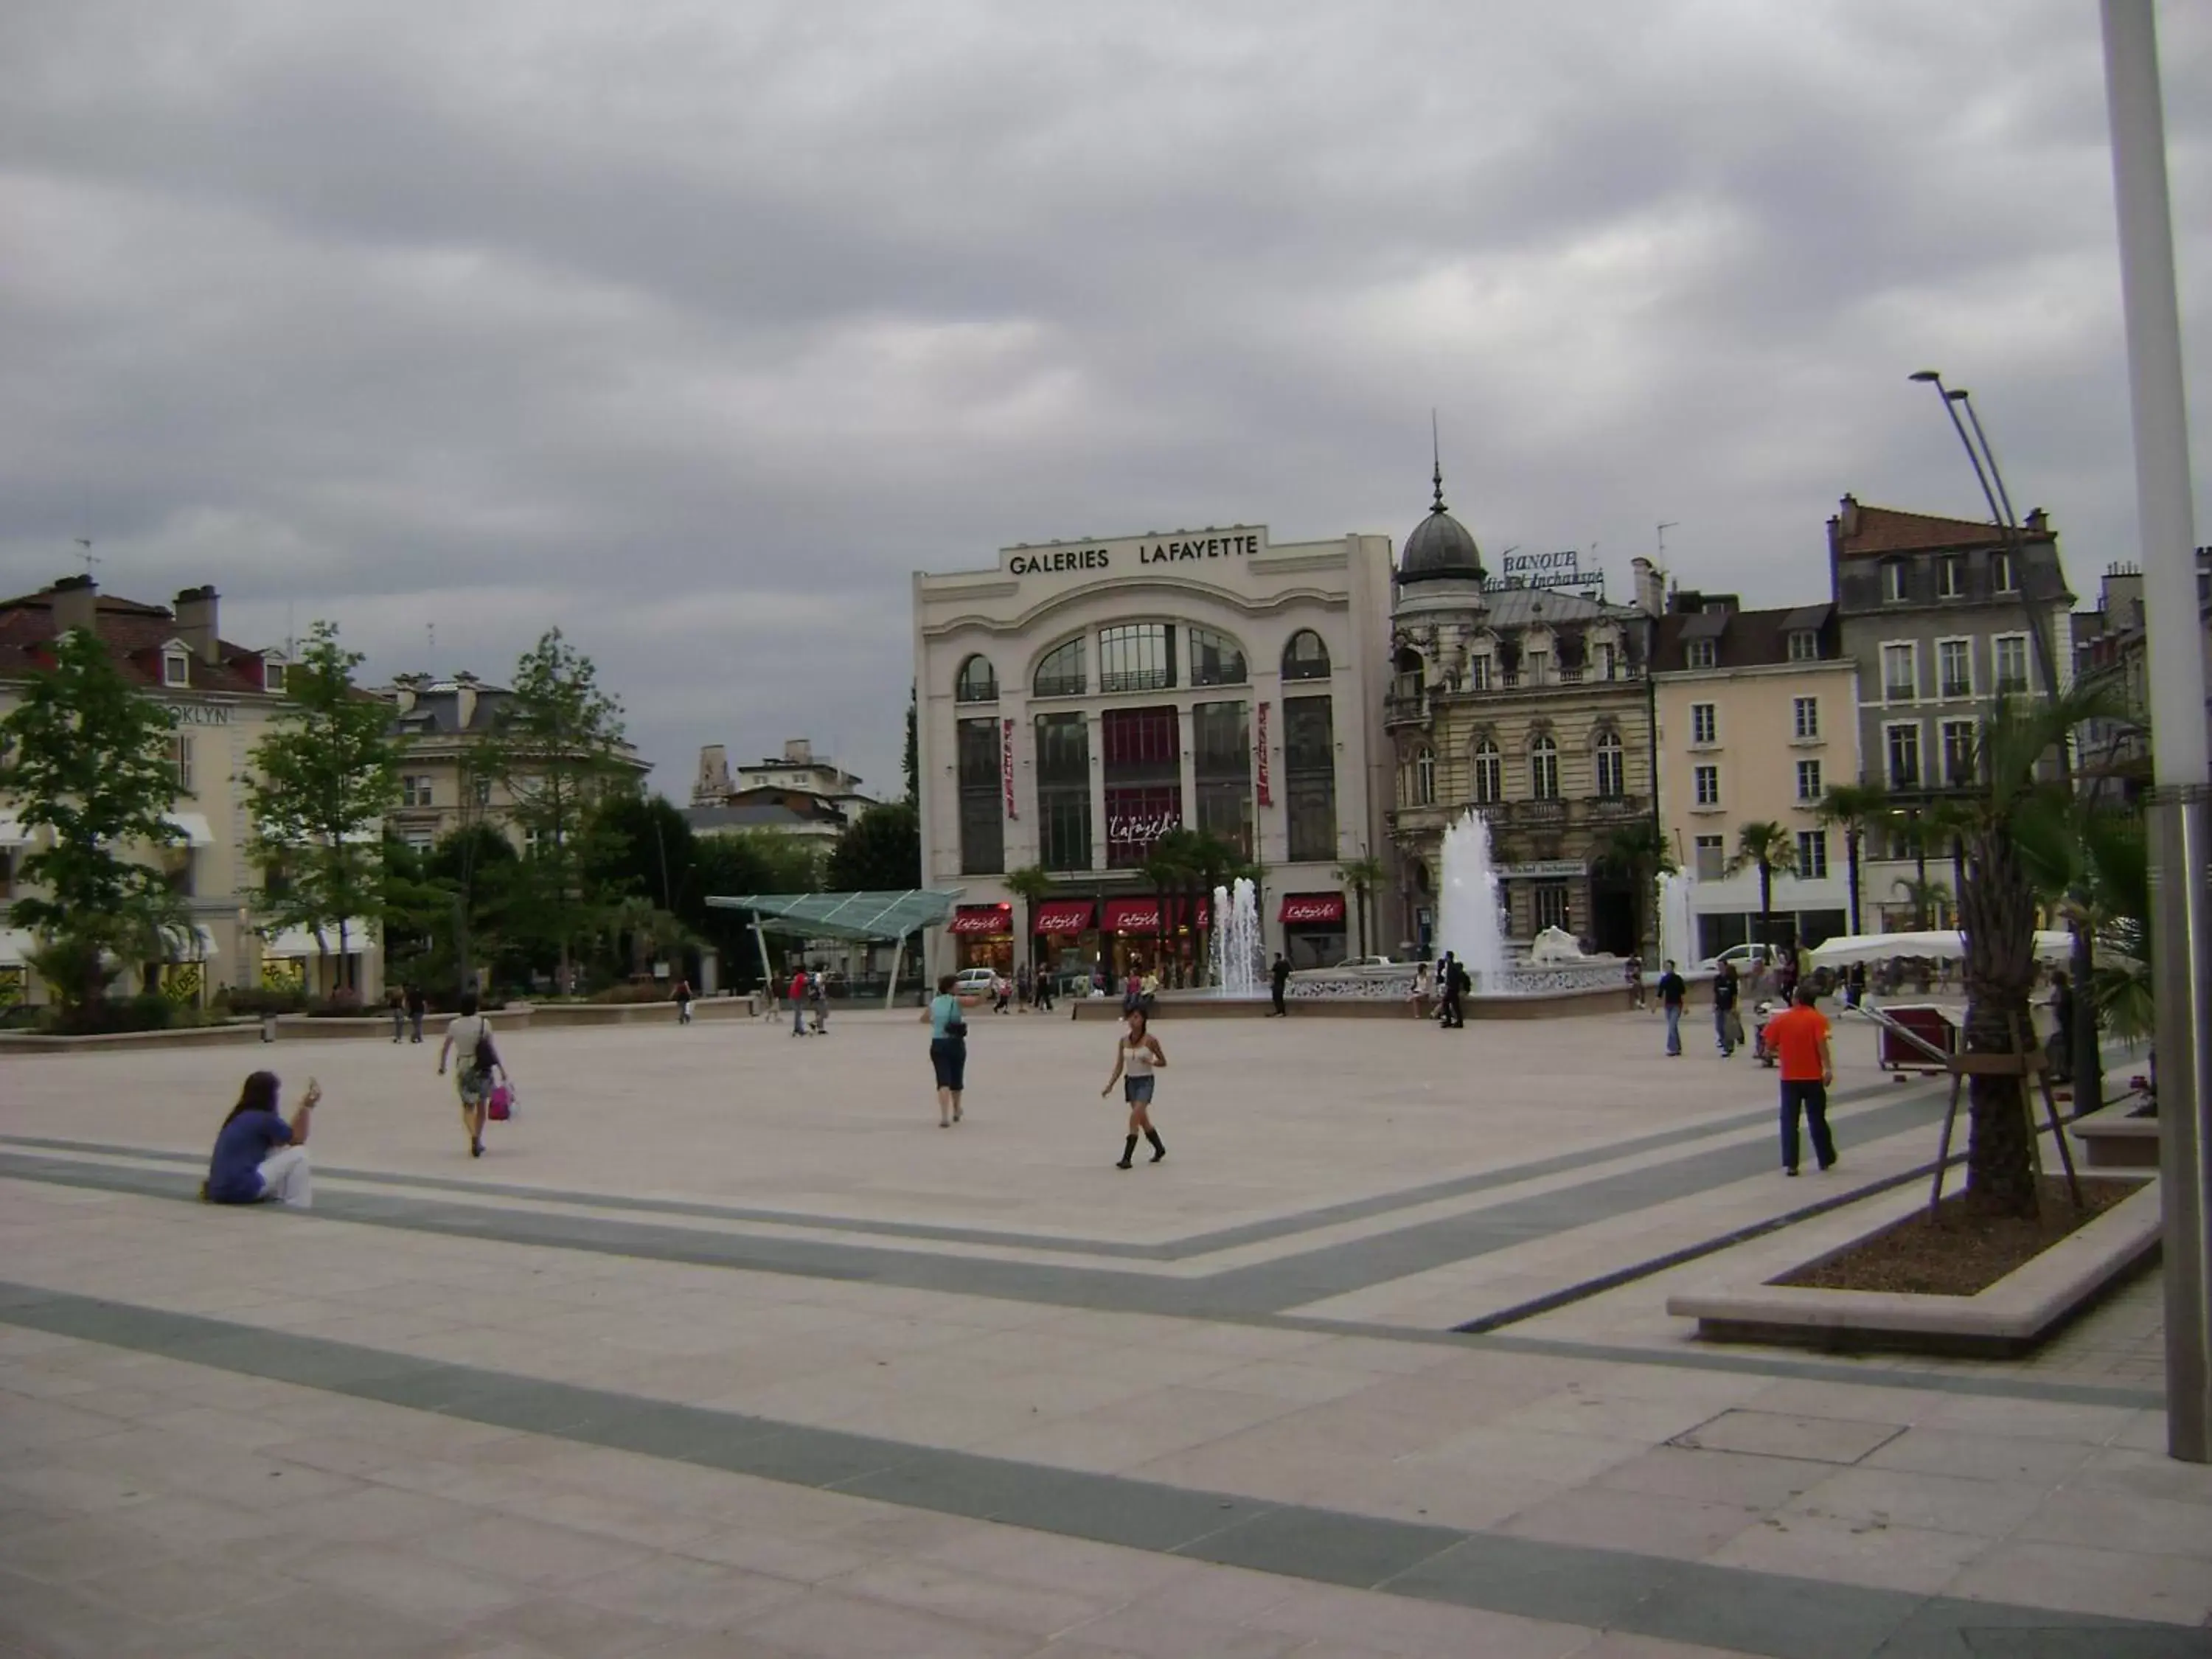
x: 1136, y: 1091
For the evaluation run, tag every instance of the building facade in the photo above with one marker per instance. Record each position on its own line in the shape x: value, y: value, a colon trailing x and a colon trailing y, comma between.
x: 2113, y: 639
x: 224, y: 697
x: 1532, y: 705
x: 1757, y: 718
x: 1080, y: 699
x: 1943, y: 618
x: 802, y: 795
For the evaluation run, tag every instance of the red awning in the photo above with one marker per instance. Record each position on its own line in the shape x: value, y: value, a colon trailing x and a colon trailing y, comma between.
x: 1063, y: 916
x: 1312, y: 908
x: 1142, y: 916
x: 983, y: 919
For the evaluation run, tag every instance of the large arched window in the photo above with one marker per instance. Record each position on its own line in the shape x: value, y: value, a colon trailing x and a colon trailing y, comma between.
x: 1215, y: 659
x: 978, y: 682
x: 1611, y: 772
x: 1544, y: 769
x: 1489, y: 774
x: 1061, y: 674
x: 1306, y: 657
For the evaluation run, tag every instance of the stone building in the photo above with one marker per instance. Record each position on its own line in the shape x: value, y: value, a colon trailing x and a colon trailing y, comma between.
x: 800, y: 794
x: 2113, y: 639
x: 1528, y: 702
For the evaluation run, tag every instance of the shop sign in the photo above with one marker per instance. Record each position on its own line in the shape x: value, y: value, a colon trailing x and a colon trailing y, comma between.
x: 202, y: 713
x: 1266, y: 789
x: 1140, y: 829
x: 987, y: 919
x: 1064, y: 916
x: 1308, y: 908
x: 1542, y: 869
x: 1128, y: 556
x: 1006, y: 766
x: 1560, y: 569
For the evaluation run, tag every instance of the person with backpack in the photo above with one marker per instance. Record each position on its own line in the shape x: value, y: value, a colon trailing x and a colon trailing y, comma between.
x: 477, y: 1068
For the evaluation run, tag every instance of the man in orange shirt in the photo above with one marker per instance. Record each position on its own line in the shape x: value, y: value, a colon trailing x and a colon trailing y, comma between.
x: 1800, y: 1037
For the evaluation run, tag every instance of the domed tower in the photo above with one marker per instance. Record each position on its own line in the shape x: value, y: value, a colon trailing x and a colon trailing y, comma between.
x: 1439, y: 602
x: 1440, y: 550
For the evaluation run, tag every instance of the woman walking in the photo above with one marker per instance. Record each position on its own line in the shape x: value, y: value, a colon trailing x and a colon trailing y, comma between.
x: 476, y: 1067
x: 259, y: 1157
x: 948, y: 1049
x: 1137, y: 1056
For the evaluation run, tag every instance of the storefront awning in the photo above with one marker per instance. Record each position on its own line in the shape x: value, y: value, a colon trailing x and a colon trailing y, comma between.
x: 198, y: 831
x: 300, y: 941
x: 190, y: 943
x: 1064, y: 916
x: 983, y: 919
x: 1312, y: 908
x: 1142, y: 916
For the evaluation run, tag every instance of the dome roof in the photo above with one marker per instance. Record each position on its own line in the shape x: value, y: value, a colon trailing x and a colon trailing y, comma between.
x: 1440, y: 547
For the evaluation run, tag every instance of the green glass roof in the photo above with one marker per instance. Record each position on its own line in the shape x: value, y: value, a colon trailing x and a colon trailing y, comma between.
x: 845, y: 915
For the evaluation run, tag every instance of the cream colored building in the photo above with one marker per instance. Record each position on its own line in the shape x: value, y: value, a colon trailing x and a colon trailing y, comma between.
x: 224, y: 697
x: 1757, y: 716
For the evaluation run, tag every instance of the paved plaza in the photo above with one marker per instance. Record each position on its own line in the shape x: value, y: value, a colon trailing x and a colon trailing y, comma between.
x: 726, y: 1348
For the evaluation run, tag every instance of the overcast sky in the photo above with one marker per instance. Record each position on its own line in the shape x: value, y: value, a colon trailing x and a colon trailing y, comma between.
x: 695, y: 327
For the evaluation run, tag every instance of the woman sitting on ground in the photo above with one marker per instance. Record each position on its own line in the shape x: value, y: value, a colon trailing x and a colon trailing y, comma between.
x: 257, y: 1155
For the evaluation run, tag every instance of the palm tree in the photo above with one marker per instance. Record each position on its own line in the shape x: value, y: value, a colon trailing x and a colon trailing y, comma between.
x: 1168, y: 870
x: 1928, y: 897
x: 1639, y: 850
x: 1029, y: 883
x: 1854, y: 808
x: 1996, y: 910
x: 1363, y: 875
x: 1763, y: 844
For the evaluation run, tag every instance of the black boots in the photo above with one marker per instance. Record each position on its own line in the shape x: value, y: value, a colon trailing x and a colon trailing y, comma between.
x: 1159, y: 1146
x: 1128, y: 1151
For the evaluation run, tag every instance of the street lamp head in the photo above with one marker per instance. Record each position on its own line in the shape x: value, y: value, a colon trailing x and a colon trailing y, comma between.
x: 1927, y: 375
x: 1957, y: 394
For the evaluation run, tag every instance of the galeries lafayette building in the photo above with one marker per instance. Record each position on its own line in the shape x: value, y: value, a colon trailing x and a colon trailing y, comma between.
x: 1078, y: 699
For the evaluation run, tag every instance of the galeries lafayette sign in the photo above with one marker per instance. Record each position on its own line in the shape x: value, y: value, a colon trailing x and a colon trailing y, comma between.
x: 1088, y: 561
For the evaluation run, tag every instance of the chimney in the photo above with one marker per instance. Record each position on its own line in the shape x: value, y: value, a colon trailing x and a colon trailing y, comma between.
x: 1847, y: 520
x: 196, y: 623
x: 798, y: 751
x: 713, y: 783
x: 75, y: 603
x: 2038, y: 523
x: 464, y: 699
x: 405, y: 689
x: 1650, y: 586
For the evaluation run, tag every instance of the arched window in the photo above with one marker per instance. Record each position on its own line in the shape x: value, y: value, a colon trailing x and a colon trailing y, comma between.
x: 1544, y: 769
x: 1612, y: 772
x: 978, y: 682
x: 1061, y: 674
x: 1306, y: 657
x: 1215, y: 659
x: 1424, y: 779
x: 1489, y: 774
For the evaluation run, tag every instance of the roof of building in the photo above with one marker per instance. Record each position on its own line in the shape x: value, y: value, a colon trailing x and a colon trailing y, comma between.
x: 1865, y: 531
x: 752, y: 816
x: 1440, y: 547
x: 436, y: 709
x: 134, y: 634
x: 1517, y: 607
x: 1743, y: 639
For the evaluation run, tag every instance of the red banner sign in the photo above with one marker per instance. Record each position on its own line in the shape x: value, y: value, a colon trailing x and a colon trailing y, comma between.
x: 1064, y: 916
x: 1312, y: 908
x: 1006, y: 766
x: 1267, y: 793
x: 985, y: 919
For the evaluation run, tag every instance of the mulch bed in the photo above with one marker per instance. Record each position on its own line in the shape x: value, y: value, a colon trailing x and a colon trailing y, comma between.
x: 1958, y: 1252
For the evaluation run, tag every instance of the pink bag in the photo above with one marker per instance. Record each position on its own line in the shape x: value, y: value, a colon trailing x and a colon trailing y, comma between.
x: 501, y: 1105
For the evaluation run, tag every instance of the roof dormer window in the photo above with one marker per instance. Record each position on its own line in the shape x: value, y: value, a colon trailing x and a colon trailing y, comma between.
x: 272, y: 674
x: 176, y: 665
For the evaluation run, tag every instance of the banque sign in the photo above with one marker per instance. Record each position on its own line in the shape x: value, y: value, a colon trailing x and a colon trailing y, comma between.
x: 1134, y: 555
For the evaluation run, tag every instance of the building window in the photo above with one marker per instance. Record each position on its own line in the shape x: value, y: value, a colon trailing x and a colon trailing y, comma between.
x: 1701, y: 653
x: 1136, y: 656
x: 1812, y: 854
x: 1421, y: 779
x: 180, y: 761
x: 1959, y: 760
x: 1535, y: 668
x: 1893, y: 580
x: 1900, y: 673
x: 1310, y: 778
x: 982, y: 804
x: 1609, y: 660
x: 2008, y: 653
x: 419, y: 841
x: 1144, y: 779
x: 480, y: 788
x: 1063, y: 775
x: 1904, y: 741
x: 1805, y: 714
x: 1215, y: 659
x: 1710, y: 859
x: 1612, y: 768
x: 1707, y: 781
x: 1477, y: 670
x: 1808, y: 780
x: 978, y: 682
x: 1954, y: 667
x: 1305, y: 657
x: 1804, y: 644
x: 1551, y: 906
x: 1221, y: 734
x: 1544, y: 769
x: 272, y: 675
x: 414, y: 789
x: 7, y: 871
x: 2001, y: 574
x: 1704, y: 724
x: 176, y: 668
x: 1951, y: 576
x: 1062, y: 672
x: 1489, y: 774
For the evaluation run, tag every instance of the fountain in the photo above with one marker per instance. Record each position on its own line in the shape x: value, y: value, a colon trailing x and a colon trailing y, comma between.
x: 1674, y: 931
x: 1237, y: 970
x: 1470, y: 923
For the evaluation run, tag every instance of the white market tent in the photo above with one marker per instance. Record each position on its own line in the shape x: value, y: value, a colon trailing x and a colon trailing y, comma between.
x: 1942, y: 945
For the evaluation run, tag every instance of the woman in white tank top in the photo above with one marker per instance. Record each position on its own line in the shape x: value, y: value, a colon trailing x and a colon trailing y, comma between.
x: 1137, y: 1056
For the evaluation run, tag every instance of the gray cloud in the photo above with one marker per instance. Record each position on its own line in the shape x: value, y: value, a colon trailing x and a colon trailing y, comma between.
x: 695, y: 328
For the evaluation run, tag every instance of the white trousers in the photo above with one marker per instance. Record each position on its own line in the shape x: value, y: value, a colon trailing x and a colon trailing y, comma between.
x: 284, y: 1177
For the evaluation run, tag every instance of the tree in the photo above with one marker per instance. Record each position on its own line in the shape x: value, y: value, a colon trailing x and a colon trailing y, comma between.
x: 319, y: 785
x: 1639, y: 850
x: 1763, y: 845
x: 1169, y: 870
x: 86, y: 756
x: 879, y: 851
x: 558, y: 748
x: 1030, y: 884
x: 1929, y: 897
x: 911, y: 761
x: 1364, y: 875
x: 1854, y: 808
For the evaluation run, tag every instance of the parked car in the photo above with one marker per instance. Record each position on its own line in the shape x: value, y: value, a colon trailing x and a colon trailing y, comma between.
x: 1742, y: 956
x: 974, y: 982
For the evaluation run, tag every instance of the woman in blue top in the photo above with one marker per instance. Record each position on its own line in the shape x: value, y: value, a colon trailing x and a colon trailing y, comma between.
x: 257, y: 1155
x: 948, y: 1048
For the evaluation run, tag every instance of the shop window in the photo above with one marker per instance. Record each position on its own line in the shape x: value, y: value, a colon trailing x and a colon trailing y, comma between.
x: 978, y: 681
x: 1215, y: 659
x: 983, y: 807
x: 1489, y: 774
x: 1544, y: 769
x: 1063, y: 775
x: 1612, y: 767
x: 1310, y: 778
x: 1061, y: 674
x: 1136, y: 656
x: 1305, y: 657
x: 1221, y: 735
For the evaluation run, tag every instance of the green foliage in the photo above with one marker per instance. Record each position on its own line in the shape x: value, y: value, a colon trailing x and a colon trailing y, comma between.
x: 86, y: 756
x: 319, y: 783
x: 1364, y: 876
x: 880, y: 851
x: 1639, y: 851
x: 1764, y: 846
x: 1854, y: 808
x: 911, y: 763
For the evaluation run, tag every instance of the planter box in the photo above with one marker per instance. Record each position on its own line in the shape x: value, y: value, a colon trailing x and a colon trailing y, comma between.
x: 2111, y: 1139
x: 190, y: 1036
x: 2012, y: 1316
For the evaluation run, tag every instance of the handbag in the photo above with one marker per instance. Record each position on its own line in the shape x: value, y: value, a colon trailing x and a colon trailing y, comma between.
x: 499, y: 1106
